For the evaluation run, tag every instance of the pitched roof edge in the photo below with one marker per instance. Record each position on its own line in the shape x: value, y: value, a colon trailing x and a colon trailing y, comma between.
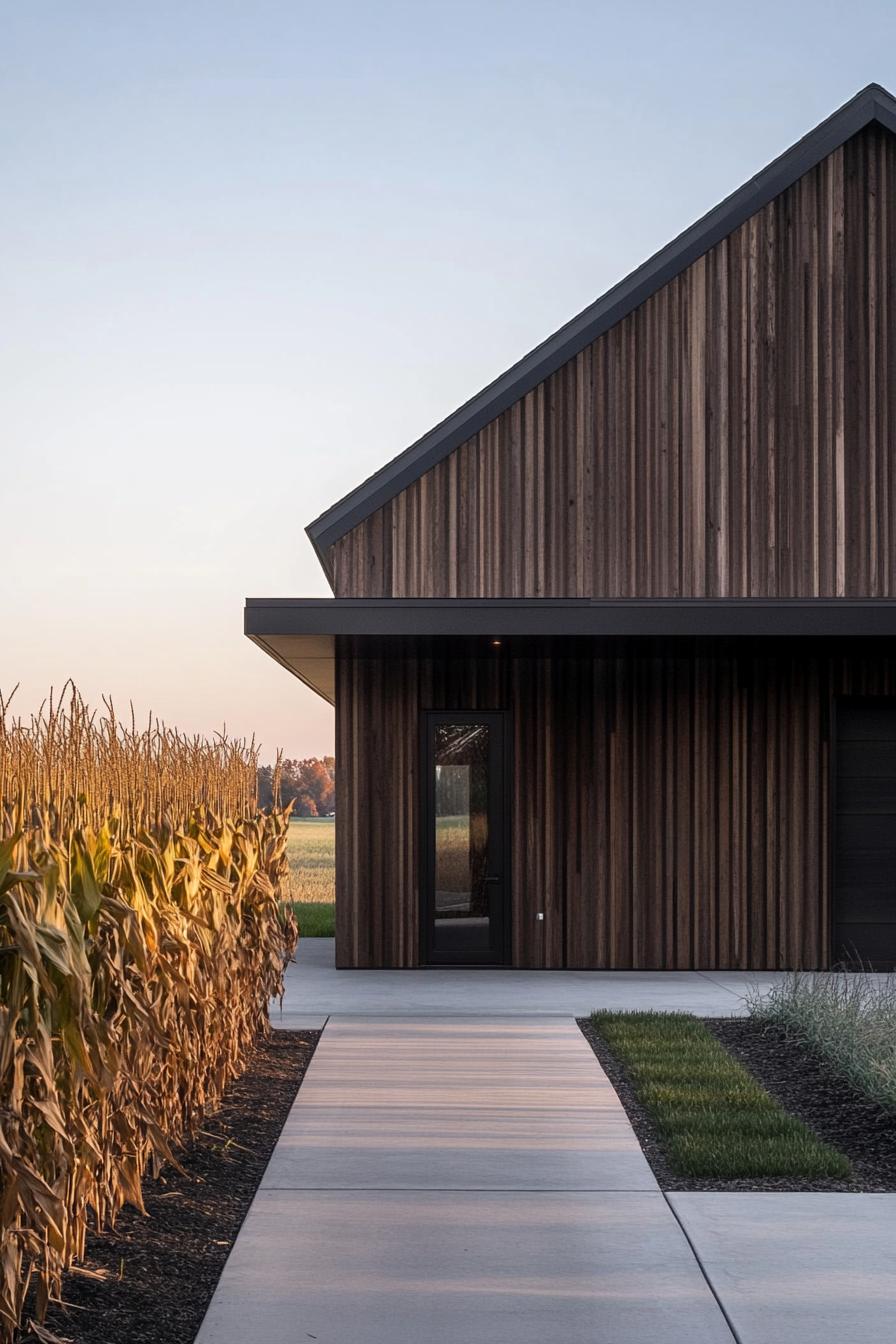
x: 873, y: 103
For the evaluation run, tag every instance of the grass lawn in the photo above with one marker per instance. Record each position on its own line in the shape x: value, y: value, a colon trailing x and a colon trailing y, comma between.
x: 317, y: 919
x: 311, y: 853
x: 715, y: 1121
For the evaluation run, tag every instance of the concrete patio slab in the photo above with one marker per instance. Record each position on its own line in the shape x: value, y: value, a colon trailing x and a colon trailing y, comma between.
x: 400, y: 1267
x: 457, y: 1104
x: 315, y: 987
x: 800, y: 1268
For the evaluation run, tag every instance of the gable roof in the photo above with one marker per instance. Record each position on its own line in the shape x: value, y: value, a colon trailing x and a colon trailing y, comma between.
x: 872, y: 104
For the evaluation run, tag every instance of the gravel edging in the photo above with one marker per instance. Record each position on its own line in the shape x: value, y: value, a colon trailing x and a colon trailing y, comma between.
x: 158, y: 1273
x: 801, y: 1083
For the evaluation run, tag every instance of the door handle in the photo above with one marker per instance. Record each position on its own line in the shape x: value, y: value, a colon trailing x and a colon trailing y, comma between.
x: 487, y: 880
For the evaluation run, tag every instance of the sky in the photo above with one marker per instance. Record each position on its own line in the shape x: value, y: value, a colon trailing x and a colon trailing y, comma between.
x: 249, y: 252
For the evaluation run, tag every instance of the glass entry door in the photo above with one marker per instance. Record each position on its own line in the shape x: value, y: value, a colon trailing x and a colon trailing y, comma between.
x: 465, y: 892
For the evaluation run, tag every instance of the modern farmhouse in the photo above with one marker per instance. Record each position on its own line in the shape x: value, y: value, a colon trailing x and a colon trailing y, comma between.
x: 612, y: 648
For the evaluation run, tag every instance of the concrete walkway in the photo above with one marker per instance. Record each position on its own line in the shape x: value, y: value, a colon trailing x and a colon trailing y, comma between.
x: 798, y: 1268
x: 315, y: 989
x: 460, y: 1181
x: 456, y: 1169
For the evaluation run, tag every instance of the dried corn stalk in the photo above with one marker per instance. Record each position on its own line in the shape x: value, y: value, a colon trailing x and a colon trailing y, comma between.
x: 141, y: 936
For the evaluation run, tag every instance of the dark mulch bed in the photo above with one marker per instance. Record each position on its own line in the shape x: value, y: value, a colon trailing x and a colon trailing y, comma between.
x: 162, y: 1269
x: 802, y: 1083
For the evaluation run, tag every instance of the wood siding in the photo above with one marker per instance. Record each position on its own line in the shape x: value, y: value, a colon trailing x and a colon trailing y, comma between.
x: 733, y: 437
x: 669, y: 811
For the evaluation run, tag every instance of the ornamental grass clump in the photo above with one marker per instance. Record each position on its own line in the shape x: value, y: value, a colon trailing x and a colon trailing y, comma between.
x: 141, y: 937
x: 847, y: 1017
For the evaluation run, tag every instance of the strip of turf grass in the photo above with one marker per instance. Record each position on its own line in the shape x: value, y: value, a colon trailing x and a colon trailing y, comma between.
x: 715, y: 1121
x: 316, y: 919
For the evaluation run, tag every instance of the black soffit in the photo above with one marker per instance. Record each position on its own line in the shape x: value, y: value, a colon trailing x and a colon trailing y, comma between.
x: 872, y: 104
x: 416, y: 618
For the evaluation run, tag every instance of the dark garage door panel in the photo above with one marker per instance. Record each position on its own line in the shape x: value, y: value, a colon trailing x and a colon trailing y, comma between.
x: 872, y: 944
x: 864, y: 760
x: 866, y: 795
x: 872, y: 720
x: 865, y: 833
x: 866, y: 870
x: 864, y: 904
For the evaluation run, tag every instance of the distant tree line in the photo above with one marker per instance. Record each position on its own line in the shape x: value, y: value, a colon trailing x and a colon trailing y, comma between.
x: 310, y: 785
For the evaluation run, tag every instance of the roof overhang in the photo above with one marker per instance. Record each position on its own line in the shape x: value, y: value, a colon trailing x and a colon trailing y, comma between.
x: 305, y: 634
x: 873, y: 104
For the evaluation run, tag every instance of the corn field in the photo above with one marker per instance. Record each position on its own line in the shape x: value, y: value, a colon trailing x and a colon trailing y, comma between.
x: 141, y: 936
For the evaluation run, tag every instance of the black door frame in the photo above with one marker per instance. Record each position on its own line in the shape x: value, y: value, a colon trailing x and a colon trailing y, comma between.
x: 499, y: 804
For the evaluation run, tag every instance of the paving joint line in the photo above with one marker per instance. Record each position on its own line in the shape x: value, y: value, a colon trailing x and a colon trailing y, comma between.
x: 703, y: 1270
x: 524, y: 1015
x: 455, y: 1190
x: 719, y: 985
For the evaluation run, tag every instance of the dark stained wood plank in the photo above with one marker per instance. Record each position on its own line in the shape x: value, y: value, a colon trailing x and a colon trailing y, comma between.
x: 731, y: 437
x: 668, y: 809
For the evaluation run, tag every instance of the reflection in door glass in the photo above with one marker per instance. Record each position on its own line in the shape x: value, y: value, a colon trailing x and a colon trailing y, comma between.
x: 461, y: 840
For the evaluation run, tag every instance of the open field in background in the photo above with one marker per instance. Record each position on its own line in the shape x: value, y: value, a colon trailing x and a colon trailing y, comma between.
x: 311, y: 853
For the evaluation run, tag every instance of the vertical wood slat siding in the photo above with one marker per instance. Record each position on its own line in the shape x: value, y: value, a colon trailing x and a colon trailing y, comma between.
x: 731, y: 437
x: 668, y: 811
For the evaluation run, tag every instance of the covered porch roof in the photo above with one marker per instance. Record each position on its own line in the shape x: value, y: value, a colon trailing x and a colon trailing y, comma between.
x: 304, y: 633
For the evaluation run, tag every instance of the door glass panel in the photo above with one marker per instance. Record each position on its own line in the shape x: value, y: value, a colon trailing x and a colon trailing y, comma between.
x: 461, y: 815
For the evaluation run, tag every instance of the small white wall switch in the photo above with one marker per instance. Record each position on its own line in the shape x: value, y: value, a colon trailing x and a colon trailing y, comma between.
x: 540, y: 915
